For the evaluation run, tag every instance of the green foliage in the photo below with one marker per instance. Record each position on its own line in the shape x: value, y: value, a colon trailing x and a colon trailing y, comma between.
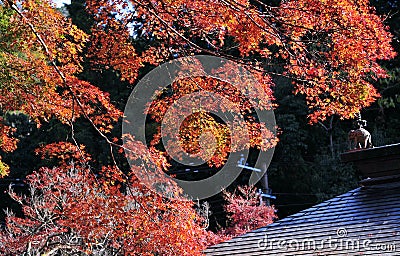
x: 331, y: 177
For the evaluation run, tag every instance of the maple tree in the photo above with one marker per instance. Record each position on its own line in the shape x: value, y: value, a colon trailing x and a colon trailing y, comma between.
x: 329, y: 48
x: 69, y: 210
x: 245, y: 212
x: 38, y: 77
x: 198, y: 100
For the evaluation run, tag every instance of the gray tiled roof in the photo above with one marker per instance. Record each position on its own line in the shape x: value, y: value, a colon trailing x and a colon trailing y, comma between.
x: 364, y: 221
